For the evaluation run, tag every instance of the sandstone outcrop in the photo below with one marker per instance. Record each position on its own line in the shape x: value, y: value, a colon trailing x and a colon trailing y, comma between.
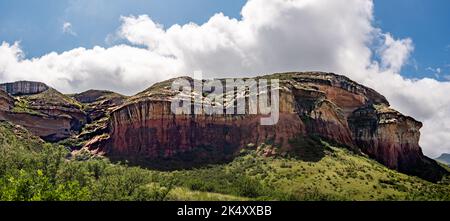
x: 332, y: 107
x: 24, y: 88
x: 97, y: 106
x: 42, y: 110
x: 6, y: 101
x: 49, y: 128
x: 98, y: 103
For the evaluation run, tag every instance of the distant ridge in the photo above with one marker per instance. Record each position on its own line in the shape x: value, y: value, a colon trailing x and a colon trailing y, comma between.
x: 444, y: 158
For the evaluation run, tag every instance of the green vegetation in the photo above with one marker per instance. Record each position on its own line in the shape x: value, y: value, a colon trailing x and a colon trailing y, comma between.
x: 94, y: 126
x: 340, y: 175
x: 33, y: 170
x: 50, y: 97
x: 21, y: 105
x: 32, y: 103
x: 53, y: 97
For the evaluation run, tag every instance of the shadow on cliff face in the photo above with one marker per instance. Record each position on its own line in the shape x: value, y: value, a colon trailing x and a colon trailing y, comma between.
x: 308, y: 148
x: 197, y: 158
x: 425, y: 168
x: 304, y: 148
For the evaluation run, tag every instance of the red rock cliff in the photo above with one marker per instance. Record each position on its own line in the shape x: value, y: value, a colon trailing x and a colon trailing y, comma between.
x: 311, y: 104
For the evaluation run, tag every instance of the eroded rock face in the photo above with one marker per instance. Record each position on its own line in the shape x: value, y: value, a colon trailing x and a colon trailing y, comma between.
x: 98, y: 103
x: 147, y: 131
x: 50, y: 129
x: 97, y: 106
x: 24, y: 88
x: 6, y: 101
x: 393, y: 140
x: 333, y: 107
x: 42, y: 110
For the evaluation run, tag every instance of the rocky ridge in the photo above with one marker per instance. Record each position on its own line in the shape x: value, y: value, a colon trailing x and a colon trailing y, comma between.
x: 42, y: 110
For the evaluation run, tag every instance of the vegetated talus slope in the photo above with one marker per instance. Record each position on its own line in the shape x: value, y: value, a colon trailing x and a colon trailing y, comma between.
x: 31, y: 169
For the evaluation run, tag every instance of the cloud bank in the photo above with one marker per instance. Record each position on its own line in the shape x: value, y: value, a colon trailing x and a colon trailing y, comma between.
x: 272, y: 36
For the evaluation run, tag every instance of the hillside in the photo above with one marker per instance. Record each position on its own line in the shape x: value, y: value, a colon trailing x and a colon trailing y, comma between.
x: 444, y: 158
x: 55, y: 174
x: 44, y: 111
x: 340, y: 175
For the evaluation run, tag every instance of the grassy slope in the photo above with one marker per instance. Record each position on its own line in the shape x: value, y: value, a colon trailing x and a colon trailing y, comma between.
x: 186, y: 194
x: 340, y: 175
x: 54, y: 97
x: 50, y: 97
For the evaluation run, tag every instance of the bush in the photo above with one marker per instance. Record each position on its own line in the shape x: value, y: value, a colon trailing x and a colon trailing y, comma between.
x: 31, y: 170
x: 248, y: 187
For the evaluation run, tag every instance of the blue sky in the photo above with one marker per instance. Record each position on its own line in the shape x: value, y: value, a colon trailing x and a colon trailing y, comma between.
x: 427, y: 22
x: 37, y: 24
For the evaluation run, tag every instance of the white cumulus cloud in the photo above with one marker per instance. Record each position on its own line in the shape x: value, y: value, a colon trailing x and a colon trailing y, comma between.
x: 394, y: 53
x: 67, y: 29
x: 272, y: 36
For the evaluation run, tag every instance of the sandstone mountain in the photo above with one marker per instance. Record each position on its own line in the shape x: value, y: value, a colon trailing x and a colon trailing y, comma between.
x: 41, y: 109
x: 142, y: 129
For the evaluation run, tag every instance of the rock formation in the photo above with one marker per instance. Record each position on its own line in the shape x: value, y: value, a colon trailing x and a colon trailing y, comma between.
x: 49, y: 128
x: 142, y: 129
x: 97, y: 106
x: 98, y: 102
x: 42, y: 110
x: 6, y: 101
x: 330, y: 106
x: 24, y: 88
